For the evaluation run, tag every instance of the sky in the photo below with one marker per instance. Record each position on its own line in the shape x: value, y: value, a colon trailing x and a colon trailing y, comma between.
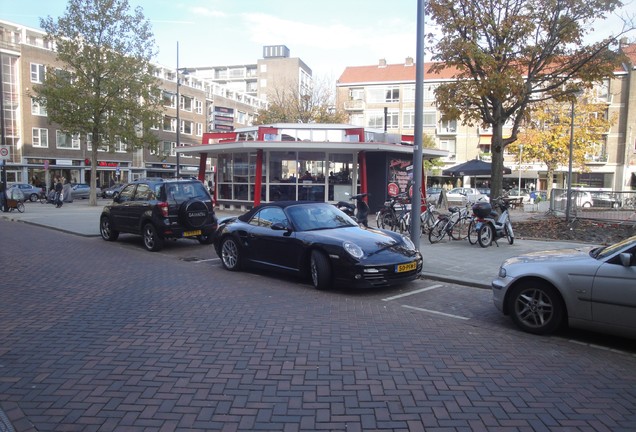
x: 328, y: 35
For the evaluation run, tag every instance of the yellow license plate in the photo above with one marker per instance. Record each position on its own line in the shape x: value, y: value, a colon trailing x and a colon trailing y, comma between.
x: 191, y: 233
x: 400, y: 268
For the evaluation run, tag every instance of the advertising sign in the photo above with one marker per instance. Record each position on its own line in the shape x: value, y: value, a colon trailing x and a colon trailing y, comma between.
x: 5, y: 152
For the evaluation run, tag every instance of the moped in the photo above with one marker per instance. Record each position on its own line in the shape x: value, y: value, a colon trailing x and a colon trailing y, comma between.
x: 490, y: 225
x: 358, y: 211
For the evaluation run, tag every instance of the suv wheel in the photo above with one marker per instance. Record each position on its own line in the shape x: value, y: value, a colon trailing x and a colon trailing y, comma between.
x: 106, y: 230
x: 194, y: 213
x: 152, y: 240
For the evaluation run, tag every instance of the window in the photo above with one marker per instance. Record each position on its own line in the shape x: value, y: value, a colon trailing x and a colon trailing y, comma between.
x: 169, y: 124
x: 144, y: 193
x: 393, y: 119
x: 37, y: 109
x: 165, y: 148
x: 429, y: 119
x: 103, y: 145
x: 120, y: 146
x: 66, y: 141
x: 448, y: 145
x: 392, y: 94
x: 356, y: 94
x: 186, y: 103
x: 199, y: 129
x: 263, y: 83
x: 37, y: 73
x: 409, y: 93
x: 168, y: 99
x: 408, y: 119
x: 383, y: 94
x: 263, y: 68
x: 198, y: 106
x: 268, y: 217
x: 40, y: 137
x: 429, y: 92
x: 447, y: 126
x: 186, y: 127
x: 375, y: 119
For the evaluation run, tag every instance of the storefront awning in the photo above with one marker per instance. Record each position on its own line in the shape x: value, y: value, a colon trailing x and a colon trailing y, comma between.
x: 344, y: 147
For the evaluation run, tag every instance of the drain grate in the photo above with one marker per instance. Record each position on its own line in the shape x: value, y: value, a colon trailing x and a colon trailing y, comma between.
x: 191, y: 259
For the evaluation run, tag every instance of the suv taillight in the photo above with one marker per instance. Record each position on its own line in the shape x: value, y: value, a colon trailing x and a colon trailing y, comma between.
x: 163, y: 206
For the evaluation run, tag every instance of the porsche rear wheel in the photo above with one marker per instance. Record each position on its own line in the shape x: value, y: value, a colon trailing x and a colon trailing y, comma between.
x: 320, y: 268
x: 230, y: 254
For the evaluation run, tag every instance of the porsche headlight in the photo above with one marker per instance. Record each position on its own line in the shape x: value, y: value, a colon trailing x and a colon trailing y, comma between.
x: 353, y: 249
x: 408, y: 242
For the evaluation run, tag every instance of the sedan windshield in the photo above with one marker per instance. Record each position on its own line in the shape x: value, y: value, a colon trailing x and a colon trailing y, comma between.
x: 604, y: 252
x: 308, y: 217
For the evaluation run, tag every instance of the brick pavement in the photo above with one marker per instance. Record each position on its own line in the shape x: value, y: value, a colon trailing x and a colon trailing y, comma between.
x: 182, y: 346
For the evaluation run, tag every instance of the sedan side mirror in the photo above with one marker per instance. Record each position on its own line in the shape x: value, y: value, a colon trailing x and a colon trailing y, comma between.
x: 626, y: 259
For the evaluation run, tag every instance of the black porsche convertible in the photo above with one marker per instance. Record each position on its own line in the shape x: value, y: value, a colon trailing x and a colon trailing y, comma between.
x: 319, y: 241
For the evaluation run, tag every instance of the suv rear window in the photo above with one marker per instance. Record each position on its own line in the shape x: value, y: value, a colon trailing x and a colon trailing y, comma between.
x: 185, y: 191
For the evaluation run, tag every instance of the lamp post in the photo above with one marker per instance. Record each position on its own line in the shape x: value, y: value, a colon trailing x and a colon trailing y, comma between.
x: 520, y: 155
x: 178, y: 116
x: 568, y: 201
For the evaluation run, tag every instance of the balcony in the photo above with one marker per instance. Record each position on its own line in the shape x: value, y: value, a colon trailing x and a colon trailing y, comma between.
x: 354, y: 105
x: 595, y: 159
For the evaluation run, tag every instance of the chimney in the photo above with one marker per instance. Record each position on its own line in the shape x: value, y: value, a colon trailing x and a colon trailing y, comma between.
x: 408, y: 61
x: 382, y: 63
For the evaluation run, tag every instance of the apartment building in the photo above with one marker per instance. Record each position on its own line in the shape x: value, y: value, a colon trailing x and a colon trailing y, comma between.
x: 277, y: 69
x: 383, y: 96
x: 40, y: 150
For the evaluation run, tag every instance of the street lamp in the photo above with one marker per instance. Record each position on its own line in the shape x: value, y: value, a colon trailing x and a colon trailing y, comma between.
x: 568, y: 201
x: 520, y: 155
x: 178, y: 116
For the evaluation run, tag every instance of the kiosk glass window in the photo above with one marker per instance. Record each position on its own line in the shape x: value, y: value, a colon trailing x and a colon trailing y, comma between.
x: 282, y: 176
x: 311, y: 183
x: 340, y: 170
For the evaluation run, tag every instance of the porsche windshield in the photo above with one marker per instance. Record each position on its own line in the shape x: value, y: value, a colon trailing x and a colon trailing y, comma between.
x: 308, y: 217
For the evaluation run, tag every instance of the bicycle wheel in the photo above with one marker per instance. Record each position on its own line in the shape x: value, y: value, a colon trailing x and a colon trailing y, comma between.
x: 383, y: 220
x: 485, y: 235
x: 20, y: 206
x: 473, y: 232
x: 510, y: 235
x: 427, y: 221
x: 459, y: 231
x: 404, y: 224
x: 438, y: 231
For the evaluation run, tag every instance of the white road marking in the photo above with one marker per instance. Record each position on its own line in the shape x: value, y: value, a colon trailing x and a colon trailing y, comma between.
x: 206, y: 260
x: 436, y: 312
x: 411, y: 293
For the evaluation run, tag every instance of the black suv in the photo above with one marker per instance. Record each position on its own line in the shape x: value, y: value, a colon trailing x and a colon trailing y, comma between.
x: 158, y: 209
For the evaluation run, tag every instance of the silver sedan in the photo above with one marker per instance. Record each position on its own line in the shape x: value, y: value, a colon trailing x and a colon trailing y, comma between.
x: 590, y: 288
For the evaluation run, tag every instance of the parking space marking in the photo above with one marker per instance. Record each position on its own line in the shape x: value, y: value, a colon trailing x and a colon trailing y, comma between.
x: 411, y: 293
x: 208, y: 260
x: 436, y: 312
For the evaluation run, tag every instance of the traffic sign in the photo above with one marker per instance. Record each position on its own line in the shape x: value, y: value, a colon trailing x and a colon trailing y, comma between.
x: 5, y: 152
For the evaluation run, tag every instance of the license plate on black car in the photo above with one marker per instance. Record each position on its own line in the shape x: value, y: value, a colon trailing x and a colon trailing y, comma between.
x: 401, y: 268
x: 191, y: 233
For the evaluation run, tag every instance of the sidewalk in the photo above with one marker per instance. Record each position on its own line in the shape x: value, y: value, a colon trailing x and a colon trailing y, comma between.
x: 450, y: 261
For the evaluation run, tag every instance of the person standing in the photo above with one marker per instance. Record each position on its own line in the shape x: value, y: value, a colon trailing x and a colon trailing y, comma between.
x: 58, y: 193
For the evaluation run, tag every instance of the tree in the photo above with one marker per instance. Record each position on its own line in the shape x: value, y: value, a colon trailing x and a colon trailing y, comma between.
x: 289, y: 104
x: 102, y: 85
x: 507, y: 55
x: 547, y: 138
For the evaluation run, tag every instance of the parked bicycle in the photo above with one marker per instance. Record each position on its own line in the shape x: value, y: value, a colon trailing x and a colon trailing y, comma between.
x: 392, y: 215
x: 454, y: 224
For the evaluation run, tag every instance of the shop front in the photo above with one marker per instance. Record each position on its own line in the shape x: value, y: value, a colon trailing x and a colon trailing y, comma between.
x: 284, y: 162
